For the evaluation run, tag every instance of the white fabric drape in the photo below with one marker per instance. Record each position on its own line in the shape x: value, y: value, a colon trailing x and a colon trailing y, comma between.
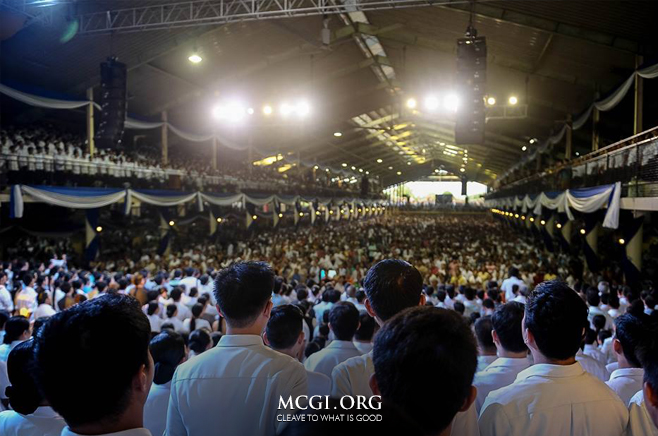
x: 35, y: 100
x: 162, y: 200
x: 222, y: 201
x: 616, y: 97
x: 132, y: 123
x: 72, y: 201
x: 607, y: 196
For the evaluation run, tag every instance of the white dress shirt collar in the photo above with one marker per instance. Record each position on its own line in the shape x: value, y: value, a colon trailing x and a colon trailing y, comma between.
x: 45, y: 412
x: 550, y: 371
x: 627, y: 372
x: 239, y: 341
x: 132, y: 432
x: 507, y: 362
x: 339, y: 344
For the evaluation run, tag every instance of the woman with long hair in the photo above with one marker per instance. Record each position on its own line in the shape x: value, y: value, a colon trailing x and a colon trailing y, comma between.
x: 196, y: 322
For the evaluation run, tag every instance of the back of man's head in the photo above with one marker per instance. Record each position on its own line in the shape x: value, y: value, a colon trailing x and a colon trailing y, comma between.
x: 483, y: 327
x: 557, y: 318
x: 242, y: 290
x: 366, y: 328
x: 414, y: 340
x: 284, y: 326
x: 105, y: 341
x: 391, y: 286
x: 593, y: 298
x: 630, y: 331
x: 507, y: 321
x: 176, y: 294
x: 647, y: 353
x: 344, y: 320
x: 514, y: 272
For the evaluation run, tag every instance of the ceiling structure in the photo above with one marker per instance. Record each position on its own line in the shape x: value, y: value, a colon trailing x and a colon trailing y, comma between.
x: 553, y: 55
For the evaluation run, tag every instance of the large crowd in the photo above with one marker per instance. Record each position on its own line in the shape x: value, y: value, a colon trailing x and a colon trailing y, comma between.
x: 44, y: 155
x: 435, y: 325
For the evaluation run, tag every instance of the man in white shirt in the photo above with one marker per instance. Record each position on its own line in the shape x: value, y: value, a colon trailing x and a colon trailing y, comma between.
x: 343, y: 322
x: 626, y: 381
x: 486, y: 347
x: 441, y: 337
x: 189, y: 281
x: 109, y: 398
x: 365, y: 332
x: 554, y: 397
x: 236, y: 387
x: 513, y: 279
x: 26, y: 298
x: 512, y: 352
x: 391, y: 286
x: 593, y: 301
x: 643, y: 411
x: 5, y: 297
x: 285, y: 334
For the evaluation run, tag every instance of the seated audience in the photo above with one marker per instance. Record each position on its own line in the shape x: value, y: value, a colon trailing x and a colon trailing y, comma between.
x: 240, y: 375
x: 168, y: 351
x: 105, y: 340
x: 409, y: 343
x: 511, y: 350
x: 343, y: 323
x: 284, y: 334
x: 30, y: 415
x: 543, y: 399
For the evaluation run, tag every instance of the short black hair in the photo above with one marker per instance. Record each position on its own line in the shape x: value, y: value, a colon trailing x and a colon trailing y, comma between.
x: 414, y: 340
x: 459, y: 307
x: 593, y: 298
x: 24, y: 396
x: 392, y: 285
x: 284, y: 326
x: 15, y: 327
x: 199, y: 340
x: 344, y: 320
x: 483, y: 327
x: 630, y: 330
x: 507, y: 321
x: 106, y: 340
x: 366, y: 328
x: 557, y: 318
x: 647, y: 353
x: 167, y: 349
x: 242, y: 290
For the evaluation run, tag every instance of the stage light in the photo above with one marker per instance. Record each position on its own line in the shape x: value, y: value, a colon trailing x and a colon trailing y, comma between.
x: 411, y: 103
x: 253, y: 217
x: 171, y: 223
x: 219, y: 220
x: 230, y: 111
x: 344, y: 165
x: 353, y: 168
x: 524, y: 148
x: 621, y: 241
x: 461, y: 170
x: 267, y: 110
x: 513, y: 100
x: 491, y: 101
x: 542, y: 222
x: 280, y: 215
x: 99, y: 229
x: 582, y: 231
x: 360, y: 170
x: 379, y: 161
x: 451, y: 102
x: 195, y: 58
x: 409, y: 163
x: 532, y: 140
x: 532, y: 220
x: 338, y: 134
x: 351, y: 210
x: 390, y: 168
x: 317, y: 212
x: 316, y: 167
x: 367, y: 173
x: 250, y: 111
x: 286, y: 109
x: 331, y: 212
x: 523, y: 217
x: 431, y: 103
x: 301, y: 213
x: 302, y: 109
x: 559, y: 226
x: 516, y: 215
x: 399, y: 173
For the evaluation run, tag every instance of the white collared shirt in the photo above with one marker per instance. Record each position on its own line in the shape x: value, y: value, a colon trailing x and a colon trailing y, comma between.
x: 593, y: 366
x: 326, y: 359
x: 352, y: 377
x: 553, y: 400
x: 318, y: 384
x: 363, y: 347
x: 626, y: 382
x: 131, y: 432
x: 484, y: 362
x: 234, y: 387
x: 44, y: 311
x: 639, y: 421
x: 502, y: 372
x: 155, y: 408
x: 43, y: 422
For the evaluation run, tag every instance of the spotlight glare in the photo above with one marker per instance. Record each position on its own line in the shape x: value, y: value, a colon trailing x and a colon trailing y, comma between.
x: 542, y: 222
x: 344, y: 165
x: 524, y: 148
x: 582, y: 231
x: 461, y: 170
x: 431, y: 103
x: 338, y: 134
x: 302, y: 109
x: 99, y: 229
x: 532, y: 220
x: 379, y: 161
x: 253, y: 217
x: 250, y: 111
x: 195, y: 58
x: 451, y: 102
x: 559, y: 226
x: 621, y: 241
x: 280, y: 215
x: 491, y: 101
x: 399, y: 173
x: 513, y: 100
x: 267, y: 109
x: 171, y: 223
x: 301, y: 213
x: 219, y: 220
x: 411, y: 103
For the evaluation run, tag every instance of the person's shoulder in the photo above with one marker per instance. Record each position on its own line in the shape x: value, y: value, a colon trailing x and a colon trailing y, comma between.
x: 637, y: 399
x: 362, y: 362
